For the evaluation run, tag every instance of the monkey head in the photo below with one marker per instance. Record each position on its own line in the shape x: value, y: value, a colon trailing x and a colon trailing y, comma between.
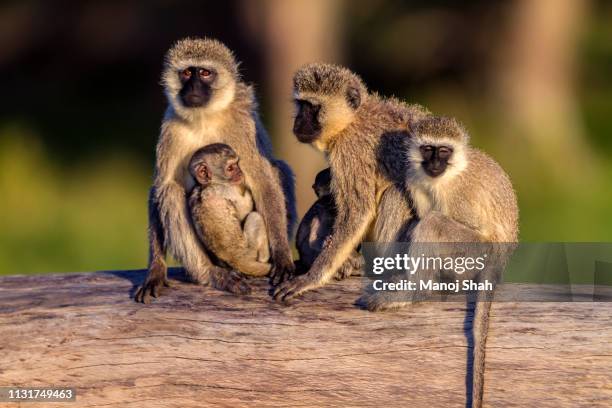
x: 436, y: 147
x: 216, y: 163
x: 326, y: 100
x: 322, y: 183
x: 199, y: 75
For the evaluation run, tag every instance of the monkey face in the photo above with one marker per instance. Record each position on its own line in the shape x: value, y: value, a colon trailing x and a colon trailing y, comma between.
x: 435, y: 158
x: 216, y: 163
x: 322, y: 184
x: 196, y: 88
x: 233, y: 173
x: 307, y: 125
x: 326, y: 98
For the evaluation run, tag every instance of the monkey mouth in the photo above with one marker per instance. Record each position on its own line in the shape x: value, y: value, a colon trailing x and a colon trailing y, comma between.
x: 434, y: 172
x: 194, y: 101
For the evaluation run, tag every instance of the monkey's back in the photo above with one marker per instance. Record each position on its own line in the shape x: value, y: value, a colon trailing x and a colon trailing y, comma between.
x: 377, y: 138
x: 483, y: 198
x: 316, y: 225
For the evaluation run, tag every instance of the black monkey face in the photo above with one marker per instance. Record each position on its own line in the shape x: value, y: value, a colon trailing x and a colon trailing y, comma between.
x: 435, y: 159
x: 196, y: 90
x: 306, y: 126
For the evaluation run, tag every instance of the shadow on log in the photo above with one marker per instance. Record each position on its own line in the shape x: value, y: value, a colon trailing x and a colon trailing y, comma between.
x: 195, y: 346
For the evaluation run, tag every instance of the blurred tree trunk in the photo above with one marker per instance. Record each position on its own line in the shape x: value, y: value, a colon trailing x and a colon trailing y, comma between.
x: 294, y: 32
x: 535, y: 79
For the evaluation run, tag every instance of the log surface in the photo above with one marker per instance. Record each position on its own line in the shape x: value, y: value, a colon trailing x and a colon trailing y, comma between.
x: 197, y: 347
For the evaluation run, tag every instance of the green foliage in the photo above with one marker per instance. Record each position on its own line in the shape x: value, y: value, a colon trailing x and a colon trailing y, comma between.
x: 89, y: 217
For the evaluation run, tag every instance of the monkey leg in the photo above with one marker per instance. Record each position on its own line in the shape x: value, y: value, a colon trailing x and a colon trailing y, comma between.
x: 431, y: 229
x: 395, y: 217
x: 437, y: 227
x: 157, y: 276
x: 223, y: 235
x: 184, y: 243
x: 255, y: 233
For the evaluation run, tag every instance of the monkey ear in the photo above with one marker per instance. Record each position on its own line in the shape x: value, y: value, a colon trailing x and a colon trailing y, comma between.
x: 203, y: 175
x: 353, y: 96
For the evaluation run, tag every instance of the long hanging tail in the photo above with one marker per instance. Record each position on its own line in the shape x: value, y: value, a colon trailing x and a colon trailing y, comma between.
x: 480, y: 328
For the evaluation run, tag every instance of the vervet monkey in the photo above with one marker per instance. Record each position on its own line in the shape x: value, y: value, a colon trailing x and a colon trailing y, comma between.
x: 222, y: 211
x: 316, y: 227
x: 360, y: 132
x: 209, y: 103
x: 461, y: 195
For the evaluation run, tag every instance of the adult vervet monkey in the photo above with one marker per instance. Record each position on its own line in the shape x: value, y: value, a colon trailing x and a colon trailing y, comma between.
x: 461, y: 195
x: 361, y: 133
x: 209, y: 103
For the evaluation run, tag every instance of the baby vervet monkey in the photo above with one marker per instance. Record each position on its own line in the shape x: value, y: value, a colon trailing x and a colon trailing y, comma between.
x: 316, y: 227
x: 222, y: 211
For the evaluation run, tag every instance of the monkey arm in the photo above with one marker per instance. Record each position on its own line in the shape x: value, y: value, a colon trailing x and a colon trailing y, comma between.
x: 350, y: 227
x: 222, y: 234
x: 437, y: 227
x: 270, y: 203
x: 157, y: 276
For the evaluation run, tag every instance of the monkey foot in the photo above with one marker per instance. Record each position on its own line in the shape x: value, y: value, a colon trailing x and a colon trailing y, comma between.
x: 152, y: 288
x: 379, y: 302
x: 282, y: 269
x: 288, y: 290
x: 229, y: 281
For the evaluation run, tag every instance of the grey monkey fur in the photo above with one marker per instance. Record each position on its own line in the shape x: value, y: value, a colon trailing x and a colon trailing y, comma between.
x: 229, y: 117
x: 315, y: 228
x: 360, y: 133
x: 471, y: 201
x: 223, y: 214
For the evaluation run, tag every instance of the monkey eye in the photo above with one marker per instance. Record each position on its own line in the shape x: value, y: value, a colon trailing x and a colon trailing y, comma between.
x: 204, y: 73
x: 426, y: 151
x: 186, y: 73
x: 445, y: 152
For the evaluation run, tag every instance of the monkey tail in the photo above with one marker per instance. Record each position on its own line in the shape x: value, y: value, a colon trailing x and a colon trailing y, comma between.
x: 287, y: 179
x: 480, y: 328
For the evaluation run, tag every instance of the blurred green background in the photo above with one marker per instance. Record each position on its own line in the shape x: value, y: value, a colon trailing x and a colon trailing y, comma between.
x: 81, y: 105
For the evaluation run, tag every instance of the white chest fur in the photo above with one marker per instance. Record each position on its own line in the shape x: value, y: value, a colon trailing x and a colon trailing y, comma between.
x: 427, y: 198
x: 194, y: 137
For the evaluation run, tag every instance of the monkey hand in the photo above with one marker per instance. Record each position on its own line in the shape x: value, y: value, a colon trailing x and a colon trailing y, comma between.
x: 156, y: 280
x: 290, y: 289
x: 282, y: 267
x: 230, y: 281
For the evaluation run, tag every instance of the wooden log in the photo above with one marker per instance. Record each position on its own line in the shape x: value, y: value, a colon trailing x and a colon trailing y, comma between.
x: 196, y: 347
